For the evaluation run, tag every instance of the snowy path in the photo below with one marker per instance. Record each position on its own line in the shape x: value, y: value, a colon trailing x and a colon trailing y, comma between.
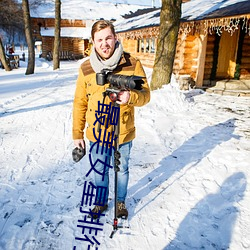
x: 189, y: 171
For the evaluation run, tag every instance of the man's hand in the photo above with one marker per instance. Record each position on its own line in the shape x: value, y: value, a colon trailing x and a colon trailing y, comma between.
x: 78, y: 152
x: 123, y: 97
x: 79, y: 143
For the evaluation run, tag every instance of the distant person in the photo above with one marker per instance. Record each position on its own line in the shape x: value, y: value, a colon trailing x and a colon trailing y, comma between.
x: 11, y: 50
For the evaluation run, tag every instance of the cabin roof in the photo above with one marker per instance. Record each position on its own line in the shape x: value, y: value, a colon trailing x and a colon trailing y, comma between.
x: 140, y: 21
x: 77, y: 32
x: 208, y: 9
x: 193, y: 10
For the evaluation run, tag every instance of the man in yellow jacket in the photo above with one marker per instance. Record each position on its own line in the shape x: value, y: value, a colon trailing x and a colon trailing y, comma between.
x: 107, y: 54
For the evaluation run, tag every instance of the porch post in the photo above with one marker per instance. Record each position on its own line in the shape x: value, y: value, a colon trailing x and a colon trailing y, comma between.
x: 202, y: 39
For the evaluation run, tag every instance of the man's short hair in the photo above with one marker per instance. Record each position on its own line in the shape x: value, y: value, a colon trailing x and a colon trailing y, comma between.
x: 101, y: 24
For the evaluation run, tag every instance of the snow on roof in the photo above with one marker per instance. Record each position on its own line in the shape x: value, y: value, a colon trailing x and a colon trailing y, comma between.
x: 145, y: 20
x: 85, y: 10
x: 79, y: 32
x: 197, y: 9
x: 192, y: 10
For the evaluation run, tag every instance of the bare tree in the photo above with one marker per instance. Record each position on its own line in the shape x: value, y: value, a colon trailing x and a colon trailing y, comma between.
x: 11, y: 24
x: 56, y: 59
x: 28, y: 33
x: 168, y: 34
x: 11, y: 17
x: 3, y: 57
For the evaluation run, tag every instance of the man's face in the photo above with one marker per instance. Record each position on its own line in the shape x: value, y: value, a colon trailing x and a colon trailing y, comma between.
x: 104, y: 42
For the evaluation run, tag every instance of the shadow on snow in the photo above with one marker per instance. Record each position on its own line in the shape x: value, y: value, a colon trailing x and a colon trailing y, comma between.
x: 210, y: 223
x: 190, y: 153
x: 23, y: 110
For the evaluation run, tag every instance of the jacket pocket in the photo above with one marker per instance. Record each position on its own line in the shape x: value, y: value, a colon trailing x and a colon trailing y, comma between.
x: 127, y: 120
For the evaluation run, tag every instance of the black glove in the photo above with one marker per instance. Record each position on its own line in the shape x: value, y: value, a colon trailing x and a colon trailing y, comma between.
x: 78, y: 153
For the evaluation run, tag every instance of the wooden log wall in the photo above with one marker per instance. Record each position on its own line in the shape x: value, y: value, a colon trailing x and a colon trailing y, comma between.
x: 185, y: 59
x: 178, y: 61
x: 190, y: 56
x: 73, y: 45
x: 186, y: 55
x: 131, y: 46
x: 79, y: 46
x: 47, y: 45
x: 66, y: 44
x: 50, y: 22
x: 146, y: 59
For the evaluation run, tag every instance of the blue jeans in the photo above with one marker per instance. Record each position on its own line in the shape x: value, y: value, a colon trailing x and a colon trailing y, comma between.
x: 101, y: 170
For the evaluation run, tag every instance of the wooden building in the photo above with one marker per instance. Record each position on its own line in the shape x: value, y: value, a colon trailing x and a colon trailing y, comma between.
x: 212, y: 45
x: 75, y: 36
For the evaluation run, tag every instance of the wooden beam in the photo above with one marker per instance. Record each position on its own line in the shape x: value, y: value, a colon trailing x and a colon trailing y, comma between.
x: 201, y: 60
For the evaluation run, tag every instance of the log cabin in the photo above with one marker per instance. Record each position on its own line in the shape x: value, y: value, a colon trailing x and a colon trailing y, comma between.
x: 213, y: 41
x: 74, y: 37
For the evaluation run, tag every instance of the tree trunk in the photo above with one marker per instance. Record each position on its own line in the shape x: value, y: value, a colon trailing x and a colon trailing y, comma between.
x: 28, y: 33
x: 3, y: 57
x: 168, y: 34
x: 56, y: 59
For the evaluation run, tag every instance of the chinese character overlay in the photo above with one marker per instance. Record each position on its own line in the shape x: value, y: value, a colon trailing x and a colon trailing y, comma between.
x: 106, y: 115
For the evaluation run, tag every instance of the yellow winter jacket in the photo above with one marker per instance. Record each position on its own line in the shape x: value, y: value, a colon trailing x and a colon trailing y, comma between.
x: 88, y: 93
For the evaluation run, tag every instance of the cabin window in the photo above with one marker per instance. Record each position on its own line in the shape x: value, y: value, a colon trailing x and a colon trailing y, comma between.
x: 152, y: 45
x: 146, y: 45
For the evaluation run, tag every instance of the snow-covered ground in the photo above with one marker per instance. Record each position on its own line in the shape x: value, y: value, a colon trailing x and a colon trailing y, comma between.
x: 189, y: 168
